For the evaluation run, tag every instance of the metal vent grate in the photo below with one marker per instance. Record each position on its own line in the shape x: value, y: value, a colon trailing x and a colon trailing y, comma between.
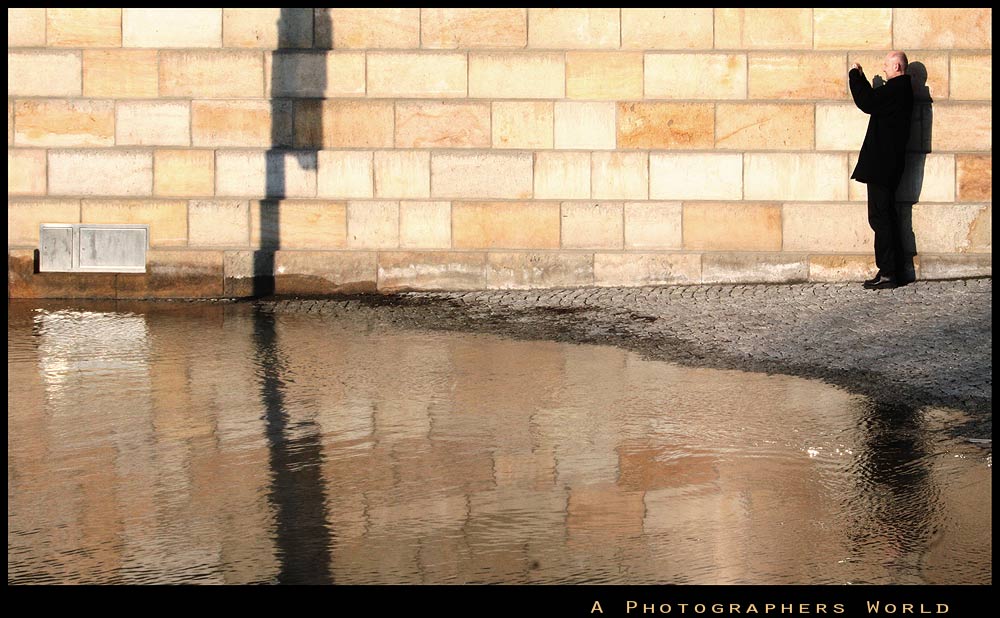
x: 96, y: 248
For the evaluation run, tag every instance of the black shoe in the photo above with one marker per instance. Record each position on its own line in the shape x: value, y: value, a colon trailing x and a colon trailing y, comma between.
x: 884, y: 282
x: 873, y: 280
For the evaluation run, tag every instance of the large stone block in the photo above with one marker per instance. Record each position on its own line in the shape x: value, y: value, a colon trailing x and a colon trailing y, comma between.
x: 153, y: 123
x: 953, y: 228
x: 256, y: 174
x: 26, y: 172
x: 373, y: 225
x: 24, y: 217
x: 826, y: 228
x: 653, y: 225
x: 60, y: 122
x: 517, y: 75
x: 83, y: 27
x: 696, y: 76
x: 345, y: 173
x: 914, y: 28
x: 183, y: 173
x: 852, y: 28
x: 120, y: 73
x: 666, y: 125
x: 574, y: 28
x: 927, y: 178
x: 25, y: 27
x: 101, y: 172
x: 667, y: 29
x: 604, y: 75
x: 764, y: 126
x: 962, y: 127
x: 219, y: 223
x: 167, y: 219
x: 505, y: 225
x: 620, y: 175
x: 417, y: 75
x: 695, y: 176
x: 10, y: 123
x: 523, y: 124
x: 754, y: 268
x: 562, y: 175
x: 172, y: 27
x: 974, y: 178
x: 442, y: 124
x: 344, y: 124
x: 175, y: 274
x: 732, y: 226
x: 44, y: 74
x: 841, y: 267
x: 314, y: 74
x: 298, y: 224
x: 242, y: 123
x: 374, y: 28
x: 270, y: 28
x: 478, y: 175
x: 587, y: 126
x: 473, y: 28
x: 425, y: 225
x: 592, y: 225
x: 840, y: 126
x: 211, y: 74
x: 761, y: 28
x: 795, y: 177
x: 797, y: 76
x: 425, y: 270
x: 312, y: 273
x: 971, y: 77
x: 23, y: 280
x: 402, y: 174
x: 955, y: 266
x: 518, y: 271
x: 637, y: 269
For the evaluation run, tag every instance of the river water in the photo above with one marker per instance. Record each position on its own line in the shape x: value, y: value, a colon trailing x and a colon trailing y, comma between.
x: 218, y: 443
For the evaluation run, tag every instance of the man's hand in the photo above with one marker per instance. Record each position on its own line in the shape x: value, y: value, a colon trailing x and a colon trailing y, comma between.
x: 856, y: 66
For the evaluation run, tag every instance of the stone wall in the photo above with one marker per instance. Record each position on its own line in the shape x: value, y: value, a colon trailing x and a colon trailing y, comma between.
x: 313, y: 151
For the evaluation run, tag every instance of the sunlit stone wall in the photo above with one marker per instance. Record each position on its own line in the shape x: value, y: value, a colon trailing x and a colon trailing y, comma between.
x: 345, y: 150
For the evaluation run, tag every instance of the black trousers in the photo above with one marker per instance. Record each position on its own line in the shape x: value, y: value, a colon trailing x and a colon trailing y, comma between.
x: 883, y: 217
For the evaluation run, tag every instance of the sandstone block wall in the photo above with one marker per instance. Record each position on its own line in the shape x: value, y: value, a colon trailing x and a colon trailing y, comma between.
x: 314, y: 151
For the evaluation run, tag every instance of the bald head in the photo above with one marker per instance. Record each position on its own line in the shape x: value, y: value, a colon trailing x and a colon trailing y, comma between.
x: 894, y: 64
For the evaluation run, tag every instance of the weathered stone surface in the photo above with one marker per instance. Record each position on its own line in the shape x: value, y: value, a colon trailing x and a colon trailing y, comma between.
x: 592, y: 225
x: 684, y: 176
x: 120, y: 73
x: 308, y: 273
x: 44, y: 74
x: 562, y: 175
x: 955, y: 266
x: 914, y: 28
x: 100, y: 172
x: 653, y: 225
x: 418, y: 75
x: 971, y: 77
x: 60, y: 122
x: 797, y: 76
x: 24, y: 217
x: 962, y: 127
x: 298, y: 224
x: 500, y: 175
x: 425, y: 225
x: 256, y: 174
x: 631, y: 269
x: 345, y: 173
x: 270, y: 28
x: 517, y: 75
x: 473, y: 28
x: 754, y: 268
x: 183, y: 173
x: 953, y: 228
x: 167, y: 219
x: 153, y: 123
x: 23, y: 280
x: 373, y: 225
x: 26, y: 172
x: 666, y: 125
x: 219, y: 223
x: 667, y: 28
x: 199, y: 74
x: 927, y: 178
x: 761, y: 28
x: 620, y: 175
x: 344, y: 124
x: 852, y: 28
x: 83, y: 27
x: 425, y: 270
x: 523, y: 124
x: 394, y: 28
x: 173, y: 27
x: 402, y: 174
x: 314, y: 74
x: 732, y: 226
x: 513, y: 271
x: 241, y: 123
x: 574, y: 28
x: 175, y: 274
x: 795, y: 177
x: 826, y: 228
x: 841, y: 267
x: 974, y: 178
x: 25, y: 27
x: 442, y: 125
x: 840, y: 126
x: 604, y: 75
x: 764, y: 126
x: 587, y: 126
x: 695, y: 76
x: 505, y: 225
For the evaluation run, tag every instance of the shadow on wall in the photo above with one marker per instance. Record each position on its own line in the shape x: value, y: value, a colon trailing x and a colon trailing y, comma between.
x: 921, y: 133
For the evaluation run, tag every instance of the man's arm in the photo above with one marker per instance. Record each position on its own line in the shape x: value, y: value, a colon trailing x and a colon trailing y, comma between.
x: 868, y: 99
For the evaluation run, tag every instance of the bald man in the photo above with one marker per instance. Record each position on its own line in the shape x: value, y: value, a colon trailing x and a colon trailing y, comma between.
x: 882, y: 157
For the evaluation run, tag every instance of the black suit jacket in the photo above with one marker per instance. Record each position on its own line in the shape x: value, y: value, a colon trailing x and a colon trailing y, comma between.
x: 883, y: 153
